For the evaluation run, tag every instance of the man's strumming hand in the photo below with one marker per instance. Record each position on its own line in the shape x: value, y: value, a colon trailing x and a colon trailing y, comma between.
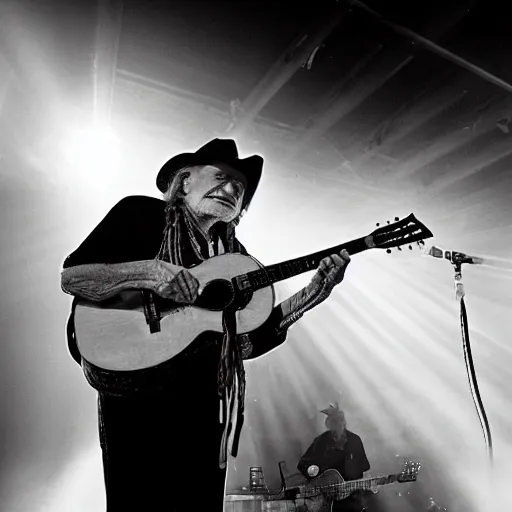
x: 175, y: 283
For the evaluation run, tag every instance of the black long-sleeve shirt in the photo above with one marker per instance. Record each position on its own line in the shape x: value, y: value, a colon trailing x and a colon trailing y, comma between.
x: 351, y: 462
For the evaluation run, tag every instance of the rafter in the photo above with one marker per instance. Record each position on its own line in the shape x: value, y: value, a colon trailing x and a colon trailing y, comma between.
x: 474, y: 124
x: 291, y: 60
x: 455, y: 167
x: 430, y: 45
x: 429, y: 103
x: 108, y: 32
x: 361, y: 88
x: 195, y: 115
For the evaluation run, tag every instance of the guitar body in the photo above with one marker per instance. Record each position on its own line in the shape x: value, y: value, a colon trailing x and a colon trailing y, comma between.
x: 329, y: 483
x: 114, y: 334
x: 315, y: 496
x: 319, y: 494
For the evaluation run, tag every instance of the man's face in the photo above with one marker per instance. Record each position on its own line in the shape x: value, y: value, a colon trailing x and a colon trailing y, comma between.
x: 215, y: 192
x: 336, y: 424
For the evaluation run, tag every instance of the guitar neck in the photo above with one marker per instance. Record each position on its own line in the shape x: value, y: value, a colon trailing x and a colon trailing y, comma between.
x: 274, y: 273
x: 367, y: 483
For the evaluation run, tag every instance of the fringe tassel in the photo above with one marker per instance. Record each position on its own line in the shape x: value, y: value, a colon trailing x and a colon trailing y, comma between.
x: 231, y: 382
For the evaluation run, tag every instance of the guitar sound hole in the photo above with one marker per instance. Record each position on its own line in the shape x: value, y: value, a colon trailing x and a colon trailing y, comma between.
x: 217, y: 295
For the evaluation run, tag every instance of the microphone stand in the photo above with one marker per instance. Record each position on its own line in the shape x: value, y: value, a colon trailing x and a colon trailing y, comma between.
x: 457, y: 261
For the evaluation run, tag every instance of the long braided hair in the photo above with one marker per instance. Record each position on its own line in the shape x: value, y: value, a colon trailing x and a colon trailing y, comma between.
x: 184, y: 244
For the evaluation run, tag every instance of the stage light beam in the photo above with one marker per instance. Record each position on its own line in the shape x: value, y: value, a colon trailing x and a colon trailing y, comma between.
x: 95, y: 150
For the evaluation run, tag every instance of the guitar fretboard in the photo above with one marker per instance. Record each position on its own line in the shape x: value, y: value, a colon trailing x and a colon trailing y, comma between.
x: 339, y: 490
x: 274, y: 273
x: 365, y: 483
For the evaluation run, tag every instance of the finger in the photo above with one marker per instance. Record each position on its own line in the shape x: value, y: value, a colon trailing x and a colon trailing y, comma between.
x: 192, y: 285
x: 325, y: 265
x: 322, y: 270
x: 187, y: 285
x: 345, y: 255
x: 180, y: 288
x: 337, y: 273
x: 338, y: 260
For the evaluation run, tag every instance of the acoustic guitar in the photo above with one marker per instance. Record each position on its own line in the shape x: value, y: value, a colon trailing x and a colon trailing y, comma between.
x: 114, y: 334
x: 320, y: 493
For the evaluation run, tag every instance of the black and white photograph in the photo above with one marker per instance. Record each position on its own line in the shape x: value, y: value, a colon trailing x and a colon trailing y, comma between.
x: 255, y: 256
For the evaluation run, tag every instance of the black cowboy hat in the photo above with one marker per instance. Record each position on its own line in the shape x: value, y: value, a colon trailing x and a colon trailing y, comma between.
x: 221, y: 151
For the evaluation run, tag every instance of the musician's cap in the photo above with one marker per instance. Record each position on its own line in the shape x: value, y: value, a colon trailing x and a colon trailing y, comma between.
x: 333, y: 411
x: 217, y: 151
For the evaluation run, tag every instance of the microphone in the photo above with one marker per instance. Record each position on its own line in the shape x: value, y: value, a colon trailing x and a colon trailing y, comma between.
x: 454, y: 256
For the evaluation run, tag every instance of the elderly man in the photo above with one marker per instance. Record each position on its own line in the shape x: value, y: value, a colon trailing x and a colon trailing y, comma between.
x: 340, y: 449
x: 160, y: 431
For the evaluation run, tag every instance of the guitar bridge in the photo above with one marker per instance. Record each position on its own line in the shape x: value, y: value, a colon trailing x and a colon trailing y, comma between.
x: 151, y: 312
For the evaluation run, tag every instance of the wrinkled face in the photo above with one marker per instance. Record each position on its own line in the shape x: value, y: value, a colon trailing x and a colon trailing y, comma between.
x: 336, y: 424
x: 214, y: 192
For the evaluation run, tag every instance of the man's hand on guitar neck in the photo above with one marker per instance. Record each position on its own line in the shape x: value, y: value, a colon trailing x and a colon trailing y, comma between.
x: 330, y: 273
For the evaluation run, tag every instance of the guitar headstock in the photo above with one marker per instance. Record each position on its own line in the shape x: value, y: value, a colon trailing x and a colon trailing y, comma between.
x: 410, y: 471
x: 402, y: 232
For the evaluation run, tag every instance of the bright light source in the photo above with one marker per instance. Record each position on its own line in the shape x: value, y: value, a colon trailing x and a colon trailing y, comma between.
x: 95, y: 149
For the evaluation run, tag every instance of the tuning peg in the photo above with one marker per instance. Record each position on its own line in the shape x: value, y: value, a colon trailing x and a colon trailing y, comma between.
x: 421, y: 243
x: 396, y: 218
x: 399, y: 248
x: 410, y: 247
x: 388, y: 251
x: 378, y: 224
x: 388, y: 222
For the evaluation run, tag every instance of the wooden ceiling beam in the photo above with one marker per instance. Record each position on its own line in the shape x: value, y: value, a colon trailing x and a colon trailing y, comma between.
x: 465, y: 163
x: 471, y: 126
x: 429, y: 103
x: 288, y: 63
x: 108, y: 33
x: 430, y: 45
x: 362, y: 87
x: 377, y: 74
